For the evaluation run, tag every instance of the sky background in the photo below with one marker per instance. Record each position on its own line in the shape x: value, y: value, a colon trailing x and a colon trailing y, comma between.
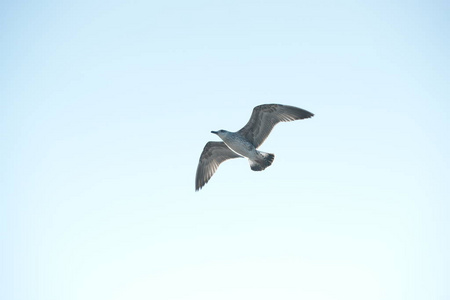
x: 105, y: 107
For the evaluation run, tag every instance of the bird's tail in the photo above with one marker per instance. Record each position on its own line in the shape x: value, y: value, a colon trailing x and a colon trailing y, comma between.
x: 262, y: 161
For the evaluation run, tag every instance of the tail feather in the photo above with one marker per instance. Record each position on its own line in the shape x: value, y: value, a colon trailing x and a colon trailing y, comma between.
x: 262, y: 162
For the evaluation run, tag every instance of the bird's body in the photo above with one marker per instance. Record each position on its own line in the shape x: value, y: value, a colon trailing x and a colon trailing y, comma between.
x: 241, y: 146
x: 244, y: 143
x: 238, y: 144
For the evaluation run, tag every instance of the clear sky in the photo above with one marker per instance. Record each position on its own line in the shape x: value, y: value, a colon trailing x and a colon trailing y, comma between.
x: 105, y: 107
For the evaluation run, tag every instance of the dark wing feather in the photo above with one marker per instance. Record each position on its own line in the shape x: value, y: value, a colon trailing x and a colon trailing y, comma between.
x: 212, y: 156
x: 265, y: 117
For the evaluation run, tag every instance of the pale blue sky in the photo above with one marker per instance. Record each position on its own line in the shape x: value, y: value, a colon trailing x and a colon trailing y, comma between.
x: 106, y: 106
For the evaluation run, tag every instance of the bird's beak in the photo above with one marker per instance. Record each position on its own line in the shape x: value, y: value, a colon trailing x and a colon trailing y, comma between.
x: 215, y: 132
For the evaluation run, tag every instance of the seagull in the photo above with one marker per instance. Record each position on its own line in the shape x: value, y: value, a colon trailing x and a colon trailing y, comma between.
x: 243, y: 143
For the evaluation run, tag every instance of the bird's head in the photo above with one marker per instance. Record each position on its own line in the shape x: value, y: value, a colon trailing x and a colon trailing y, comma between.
x: 220, y: 133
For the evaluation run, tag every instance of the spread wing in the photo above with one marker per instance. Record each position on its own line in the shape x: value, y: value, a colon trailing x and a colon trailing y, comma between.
x: 265, y: 117
x: 212, y: 156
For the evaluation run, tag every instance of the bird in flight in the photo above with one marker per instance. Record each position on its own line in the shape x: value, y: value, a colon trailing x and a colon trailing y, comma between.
x: 243, y: 143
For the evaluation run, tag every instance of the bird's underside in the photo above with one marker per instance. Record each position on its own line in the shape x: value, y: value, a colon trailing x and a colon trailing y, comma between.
x: 253, y: 134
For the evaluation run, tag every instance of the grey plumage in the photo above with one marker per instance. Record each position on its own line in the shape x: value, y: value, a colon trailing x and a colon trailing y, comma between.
x: 265, y: 117
x: 212, y: 156
x: 244, y: 142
